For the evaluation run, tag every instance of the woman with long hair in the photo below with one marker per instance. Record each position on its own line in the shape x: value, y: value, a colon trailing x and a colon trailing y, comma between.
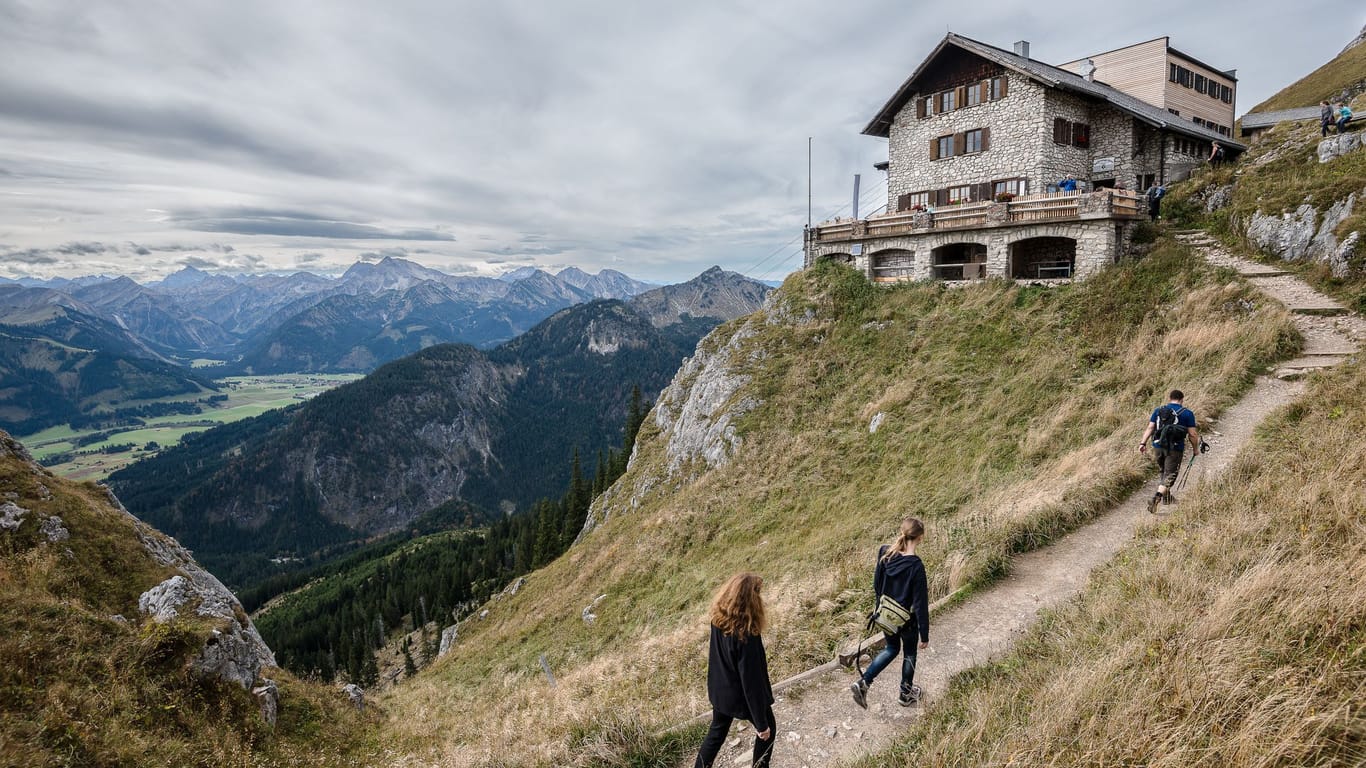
x: 737, y: 669
x: 900, y: 574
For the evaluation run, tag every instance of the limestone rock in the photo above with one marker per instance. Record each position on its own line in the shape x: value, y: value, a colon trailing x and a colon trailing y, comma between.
x: 1287, y: 236
x: 1334, y: 147
x: 1340, y: 261
x: 876, y: 422
x: 164, y: 601
x: 268, y: 694
x: 698, y: 409
x: 356, y: 694
x: 1324, y: 246
x: 588, y: 614
x: 1217, y: 198
x: 448, y: 637
x: 11, y: 516
x: 53, y: 529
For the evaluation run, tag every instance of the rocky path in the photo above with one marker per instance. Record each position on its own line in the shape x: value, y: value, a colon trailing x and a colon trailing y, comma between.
x: 818, y: 723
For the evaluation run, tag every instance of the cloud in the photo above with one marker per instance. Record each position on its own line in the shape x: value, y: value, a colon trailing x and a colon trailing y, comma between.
x: 29, y: 256
x: 296, y: 224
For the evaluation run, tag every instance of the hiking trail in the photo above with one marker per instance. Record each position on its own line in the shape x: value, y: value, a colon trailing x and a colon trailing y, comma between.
x: 818, y: 723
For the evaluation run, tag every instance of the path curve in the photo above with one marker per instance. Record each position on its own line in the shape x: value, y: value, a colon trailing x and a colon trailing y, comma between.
x: 818, y: 723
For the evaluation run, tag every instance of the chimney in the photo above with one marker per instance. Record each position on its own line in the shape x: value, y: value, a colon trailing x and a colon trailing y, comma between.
x: 1022, y: 49
x: 1088, y: 70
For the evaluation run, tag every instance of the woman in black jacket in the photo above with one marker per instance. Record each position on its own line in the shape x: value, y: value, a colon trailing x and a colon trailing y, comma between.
x: 901, y: 575
x: 737, y: 669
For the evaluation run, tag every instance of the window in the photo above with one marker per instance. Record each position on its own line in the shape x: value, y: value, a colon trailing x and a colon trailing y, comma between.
x: 947, y: 101
x: 1081, y: 135
x: 998, y: 88
x: 944, y: 147
x: 974, y: 95
x: 961, y: 194
x: 1176, y: 112
x: 1016, y: 187
x: 1200, y: 82
x: 1172, y: 73
x: 972, y: 141
x: 1226, y: 94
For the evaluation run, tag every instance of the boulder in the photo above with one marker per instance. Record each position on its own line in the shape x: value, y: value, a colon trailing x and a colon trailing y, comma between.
x: 876, y: 422
x: 1340, y: 262
x: 356, y: 694
x: 448, y: 637
x: 1334, y: 147
x: 11, y: 516
x: 53, y: 529
x: 268, y: 694
x: 1286, y: 236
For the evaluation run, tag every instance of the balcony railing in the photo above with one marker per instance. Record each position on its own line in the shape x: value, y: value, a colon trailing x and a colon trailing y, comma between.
x: 1054, y: 206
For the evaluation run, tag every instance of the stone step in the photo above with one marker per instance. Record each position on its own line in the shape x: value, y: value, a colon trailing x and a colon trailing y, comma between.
x: 1318, y: 309
x: 1300, y: 367
x: 1261, y: 272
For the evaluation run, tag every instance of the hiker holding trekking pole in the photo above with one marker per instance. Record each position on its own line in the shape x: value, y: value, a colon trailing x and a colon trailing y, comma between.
x: 902, y: 613
x: 1168, y: 427
x: 737, y: 670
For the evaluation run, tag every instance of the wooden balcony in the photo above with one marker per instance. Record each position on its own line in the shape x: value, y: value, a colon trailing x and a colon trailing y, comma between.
x: 1057, y: 206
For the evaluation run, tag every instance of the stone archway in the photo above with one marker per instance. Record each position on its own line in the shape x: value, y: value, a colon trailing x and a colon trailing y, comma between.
x: 893, y: 265
x: 1043, y: 257
x: 958, y: 261
x: 839, y: 258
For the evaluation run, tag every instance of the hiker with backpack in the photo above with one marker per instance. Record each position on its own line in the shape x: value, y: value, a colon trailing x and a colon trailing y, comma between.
x: 737, y: 670
x: 1168, y: 427
x: 902, y: 612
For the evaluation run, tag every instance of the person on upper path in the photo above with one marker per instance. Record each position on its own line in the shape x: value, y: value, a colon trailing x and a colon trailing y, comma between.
x: 1327, y: 116
x: 1216, y: 154
x: 1344, y: 116
x: 1068, y: 184
x: 900, y: 576
x: 1168, y: 427
x: 737, y: 670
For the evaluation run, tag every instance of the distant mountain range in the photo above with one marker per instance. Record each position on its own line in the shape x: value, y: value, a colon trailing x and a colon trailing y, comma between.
x: 266, y: 324
x: 448, y: 423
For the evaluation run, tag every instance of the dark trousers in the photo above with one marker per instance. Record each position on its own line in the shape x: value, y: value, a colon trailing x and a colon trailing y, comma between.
x: 880, y: 662
x: 1342, y: 124
x: 1326, y: 122
x: 1168, y: 464
x: 716, y: 737
x: 1155, y: 209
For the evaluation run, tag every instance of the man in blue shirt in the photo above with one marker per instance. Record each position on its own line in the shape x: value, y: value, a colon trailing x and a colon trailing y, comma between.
x: 1068, y: 184
x: 1168, y: 427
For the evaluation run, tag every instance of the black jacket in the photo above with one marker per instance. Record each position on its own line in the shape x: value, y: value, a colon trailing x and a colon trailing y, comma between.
x: 737, y: 678
x: 903, y: 577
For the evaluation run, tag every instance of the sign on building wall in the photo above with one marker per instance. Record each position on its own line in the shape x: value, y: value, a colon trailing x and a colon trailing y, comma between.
x: 1103, y: 165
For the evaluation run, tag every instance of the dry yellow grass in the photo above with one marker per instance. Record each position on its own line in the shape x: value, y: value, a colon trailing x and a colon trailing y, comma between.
x: 1233, y: 634
x: 1009, y: 417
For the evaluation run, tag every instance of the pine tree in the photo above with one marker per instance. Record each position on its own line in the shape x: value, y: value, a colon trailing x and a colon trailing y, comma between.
x: 409, y: 668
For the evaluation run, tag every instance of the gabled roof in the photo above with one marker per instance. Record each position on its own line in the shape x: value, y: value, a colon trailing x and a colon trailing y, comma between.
x: 1052, y: 77
x: 1265, y: 119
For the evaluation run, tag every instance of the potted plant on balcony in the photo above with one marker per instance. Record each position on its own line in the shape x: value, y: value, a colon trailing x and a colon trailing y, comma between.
x: 1005, y: 197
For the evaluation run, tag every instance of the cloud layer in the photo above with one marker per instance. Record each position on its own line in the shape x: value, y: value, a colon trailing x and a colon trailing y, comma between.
x: 657, y: 139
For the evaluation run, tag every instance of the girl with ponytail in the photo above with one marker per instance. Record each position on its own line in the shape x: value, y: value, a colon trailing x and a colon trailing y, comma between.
x: 900, y: 576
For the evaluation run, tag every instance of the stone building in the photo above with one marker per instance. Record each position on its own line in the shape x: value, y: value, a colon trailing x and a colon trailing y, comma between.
x: 979, y: 138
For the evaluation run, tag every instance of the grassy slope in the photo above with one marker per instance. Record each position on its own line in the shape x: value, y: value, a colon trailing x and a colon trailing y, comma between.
x: 79, y: 688
x: 1010, y: 416
x: 1232, y: 634
x: 1281, y: 172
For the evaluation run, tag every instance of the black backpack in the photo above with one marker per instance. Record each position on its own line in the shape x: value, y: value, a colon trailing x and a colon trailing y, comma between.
x: 1169, y: 432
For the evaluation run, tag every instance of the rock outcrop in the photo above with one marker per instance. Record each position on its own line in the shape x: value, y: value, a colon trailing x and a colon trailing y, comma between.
x: 698, y: 410
x: 1334, y: 147
x: 1303, y: 234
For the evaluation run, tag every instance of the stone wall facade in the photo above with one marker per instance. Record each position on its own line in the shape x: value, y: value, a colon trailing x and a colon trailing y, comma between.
x: 1099, y: 242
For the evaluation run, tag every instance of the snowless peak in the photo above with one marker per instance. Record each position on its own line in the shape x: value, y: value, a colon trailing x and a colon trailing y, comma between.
x: 520, y: 273
x: 185, y: 277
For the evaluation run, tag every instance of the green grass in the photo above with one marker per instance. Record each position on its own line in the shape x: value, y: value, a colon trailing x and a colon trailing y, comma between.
x: 1231, y: 634
x: 78, y: 687
x: 1010, y: 417
x: 248, y: 396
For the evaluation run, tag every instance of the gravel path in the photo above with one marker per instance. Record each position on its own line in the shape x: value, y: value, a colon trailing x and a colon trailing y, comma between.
x: 818, y: 723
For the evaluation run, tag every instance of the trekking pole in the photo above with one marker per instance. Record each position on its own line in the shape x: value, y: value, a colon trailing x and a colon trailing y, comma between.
x: 1181, y: 484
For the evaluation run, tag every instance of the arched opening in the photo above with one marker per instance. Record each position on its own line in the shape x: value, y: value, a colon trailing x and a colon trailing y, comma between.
x: 839, y: 258
x: 959, y: 261
x: 893, y: 265
x: 1043, y: 258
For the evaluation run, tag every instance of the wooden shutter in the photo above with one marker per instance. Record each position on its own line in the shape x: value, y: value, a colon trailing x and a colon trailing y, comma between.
x: 920, y: 108
x: 1062, y: 131
x: 903, y: 202
x: 934, y: 149
x: 1005, y: 83
x: 986, y: 139
x: 960, y: 98
x: 960, y: 143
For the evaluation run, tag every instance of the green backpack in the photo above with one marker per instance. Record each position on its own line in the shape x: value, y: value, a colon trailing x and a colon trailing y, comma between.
x: 889, y: 615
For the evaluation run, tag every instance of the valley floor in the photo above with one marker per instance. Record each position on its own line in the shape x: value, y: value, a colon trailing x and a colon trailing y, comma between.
x: 818, y: 722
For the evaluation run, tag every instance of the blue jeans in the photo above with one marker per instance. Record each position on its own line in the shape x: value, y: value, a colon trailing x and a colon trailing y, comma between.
x: 889, y: 653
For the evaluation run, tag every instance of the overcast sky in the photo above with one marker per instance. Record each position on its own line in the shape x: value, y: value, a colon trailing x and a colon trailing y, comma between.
x: 655, y: 138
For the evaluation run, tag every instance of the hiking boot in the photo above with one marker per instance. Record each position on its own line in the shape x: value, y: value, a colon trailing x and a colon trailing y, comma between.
x: 1153, y: 502
x: 909, y: 696
x: 860, y: 690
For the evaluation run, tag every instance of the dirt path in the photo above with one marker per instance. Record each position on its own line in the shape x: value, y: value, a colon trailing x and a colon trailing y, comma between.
x: 818, y: 723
